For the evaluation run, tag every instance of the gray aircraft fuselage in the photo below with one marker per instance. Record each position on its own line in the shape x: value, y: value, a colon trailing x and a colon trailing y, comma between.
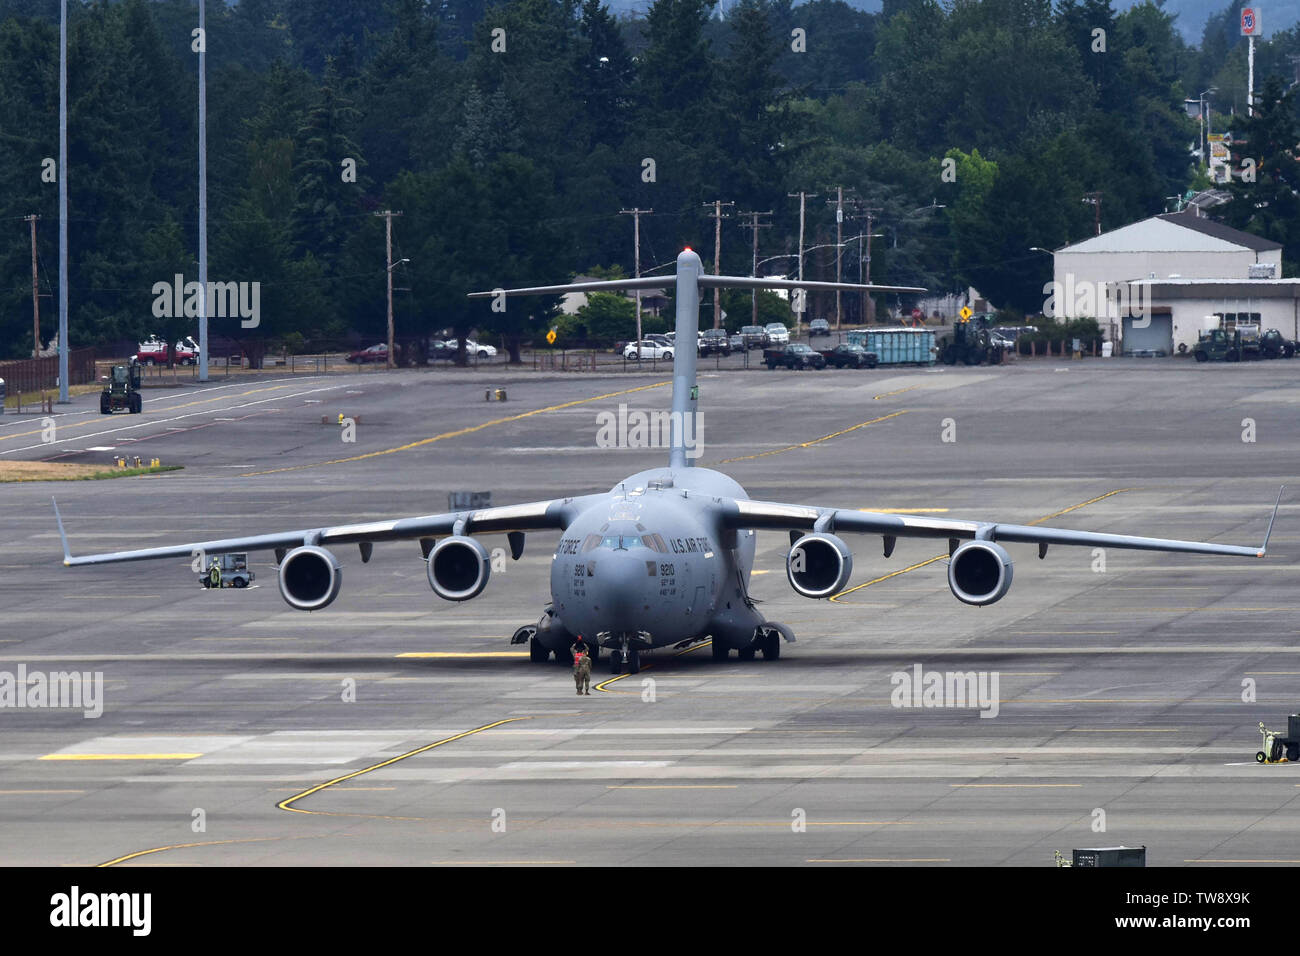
x: 650, y: 559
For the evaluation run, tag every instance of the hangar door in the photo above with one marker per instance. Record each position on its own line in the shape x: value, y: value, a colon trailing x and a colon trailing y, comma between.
x: 1158, y: 336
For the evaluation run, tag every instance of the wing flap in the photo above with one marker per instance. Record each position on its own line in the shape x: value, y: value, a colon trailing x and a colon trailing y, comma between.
x: 780, y: 516
x: 533, y: 516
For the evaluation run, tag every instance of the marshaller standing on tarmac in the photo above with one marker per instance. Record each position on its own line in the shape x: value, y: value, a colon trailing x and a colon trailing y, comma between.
x: 581, y: 666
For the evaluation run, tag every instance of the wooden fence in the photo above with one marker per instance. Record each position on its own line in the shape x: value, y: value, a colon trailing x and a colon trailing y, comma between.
x: 33, y: 375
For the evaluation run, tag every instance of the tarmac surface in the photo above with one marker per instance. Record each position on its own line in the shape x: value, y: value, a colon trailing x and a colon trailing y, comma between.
x: 394, y: 728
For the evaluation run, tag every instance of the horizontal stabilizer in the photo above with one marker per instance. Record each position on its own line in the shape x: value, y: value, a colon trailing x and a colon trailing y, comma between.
x: 611, y: 285
x: 750, y: 282
x: 704, y: 282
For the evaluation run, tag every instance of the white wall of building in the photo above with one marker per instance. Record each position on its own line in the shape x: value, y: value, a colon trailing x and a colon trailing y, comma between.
x: 1153, y: 247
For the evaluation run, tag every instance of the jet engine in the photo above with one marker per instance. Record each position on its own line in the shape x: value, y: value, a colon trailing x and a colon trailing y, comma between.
x: 459, y: 568
x: 979, y: 572
x: 310, y: 578
x: 819, y: 565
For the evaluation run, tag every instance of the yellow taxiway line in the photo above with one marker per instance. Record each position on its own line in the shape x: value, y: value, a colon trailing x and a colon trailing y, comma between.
x: 815, y: 441
x: 458, y: 432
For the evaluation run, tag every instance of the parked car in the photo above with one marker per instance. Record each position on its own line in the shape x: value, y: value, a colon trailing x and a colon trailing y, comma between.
x: 376, y: 353
x: 660, y: 337
x: 473, y: 348
x: 715, y: 342
x: 818, y: 327
x: 755, y: 337
x: 850, y: 356
x: 796, y: 356
x: 736, y: 341
x: 777, y: 334
x: 649, y: 350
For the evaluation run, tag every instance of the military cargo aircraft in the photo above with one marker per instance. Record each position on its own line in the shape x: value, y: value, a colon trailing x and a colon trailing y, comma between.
x: 664, y: 557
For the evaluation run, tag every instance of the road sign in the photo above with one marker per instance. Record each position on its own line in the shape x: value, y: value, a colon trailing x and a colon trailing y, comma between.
x: 966, y: 313
x: 550, y: 337
x: 1250, y: 21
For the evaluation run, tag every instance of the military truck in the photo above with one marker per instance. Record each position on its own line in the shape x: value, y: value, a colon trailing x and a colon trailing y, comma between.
x: 122, y: 390
x: 1220, y: 345
x: 971, y: 343
x: 1274, y: 345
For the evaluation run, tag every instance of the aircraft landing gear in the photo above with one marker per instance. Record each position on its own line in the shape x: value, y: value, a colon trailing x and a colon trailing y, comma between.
x: 624, y: 658
x: 624, y: 661
x: 720, y: 651
x: 767, y: 638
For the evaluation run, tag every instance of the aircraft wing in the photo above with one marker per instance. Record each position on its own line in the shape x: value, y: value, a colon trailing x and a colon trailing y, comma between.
x: 533, y: 516
x: 775, y: 515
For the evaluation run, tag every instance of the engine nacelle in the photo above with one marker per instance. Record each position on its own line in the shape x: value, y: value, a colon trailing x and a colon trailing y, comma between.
x: 310, y: 578
x: 819, y: 565
x: 979, y: 572
x: 459, y: 568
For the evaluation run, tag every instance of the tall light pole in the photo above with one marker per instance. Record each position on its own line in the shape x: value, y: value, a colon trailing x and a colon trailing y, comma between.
x: 636, y: 215
x: 63, y: 202
x: 203, y: 196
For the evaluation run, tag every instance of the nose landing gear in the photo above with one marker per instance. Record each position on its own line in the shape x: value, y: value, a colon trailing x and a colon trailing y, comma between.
x: 625, y: 650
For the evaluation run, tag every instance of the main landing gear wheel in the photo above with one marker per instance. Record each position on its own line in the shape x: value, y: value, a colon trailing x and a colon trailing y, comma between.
x: 745, y: 653
x: 720, y: 651
x: 537, y: 651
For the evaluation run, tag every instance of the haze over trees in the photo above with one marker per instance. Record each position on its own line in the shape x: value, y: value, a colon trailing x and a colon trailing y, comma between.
x: 511, y: 134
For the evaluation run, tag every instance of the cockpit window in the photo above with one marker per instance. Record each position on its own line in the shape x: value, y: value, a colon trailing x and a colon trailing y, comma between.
x: 589, y: 542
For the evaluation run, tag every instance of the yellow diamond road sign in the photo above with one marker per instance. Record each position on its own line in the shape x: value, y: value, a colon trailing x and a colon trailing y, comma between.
x: 550, y: 337
x: 966, y: 312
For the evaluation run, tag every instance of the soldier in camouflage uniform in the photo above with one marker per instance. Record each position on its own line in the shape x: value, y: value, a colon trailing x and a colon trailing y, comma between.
x: 581, y: 666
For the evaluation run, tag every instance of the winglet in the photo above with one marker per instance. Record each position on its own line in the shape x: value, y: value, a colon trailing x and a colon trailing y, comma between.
x: 67, y: 552
x: 1263, y: 548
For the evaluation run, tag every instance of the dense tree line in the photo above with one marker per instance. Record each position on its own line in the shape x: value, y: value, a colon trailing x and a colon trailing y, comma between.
x: 510, y: 134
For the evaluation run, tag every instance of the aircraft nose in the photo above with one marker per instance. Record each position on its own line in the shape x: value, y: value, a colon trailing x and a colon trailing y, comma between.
x: 621, y: 588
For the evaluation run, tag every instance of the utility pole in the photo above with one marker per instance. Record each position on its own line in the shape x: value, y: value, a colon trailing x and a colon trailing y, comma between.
x: 636, y: 215
x: 803, y: 197
x: 36, y: 302
x: 869, y: 304
x: 718, y: 216
x: 388, y: 215
x: 839, y: 247
x: 755, y: 225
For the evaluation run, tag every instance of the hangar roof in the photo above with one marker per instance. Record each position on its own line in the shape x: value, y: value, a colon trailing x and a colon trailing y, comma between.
x: 1173, y: 232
